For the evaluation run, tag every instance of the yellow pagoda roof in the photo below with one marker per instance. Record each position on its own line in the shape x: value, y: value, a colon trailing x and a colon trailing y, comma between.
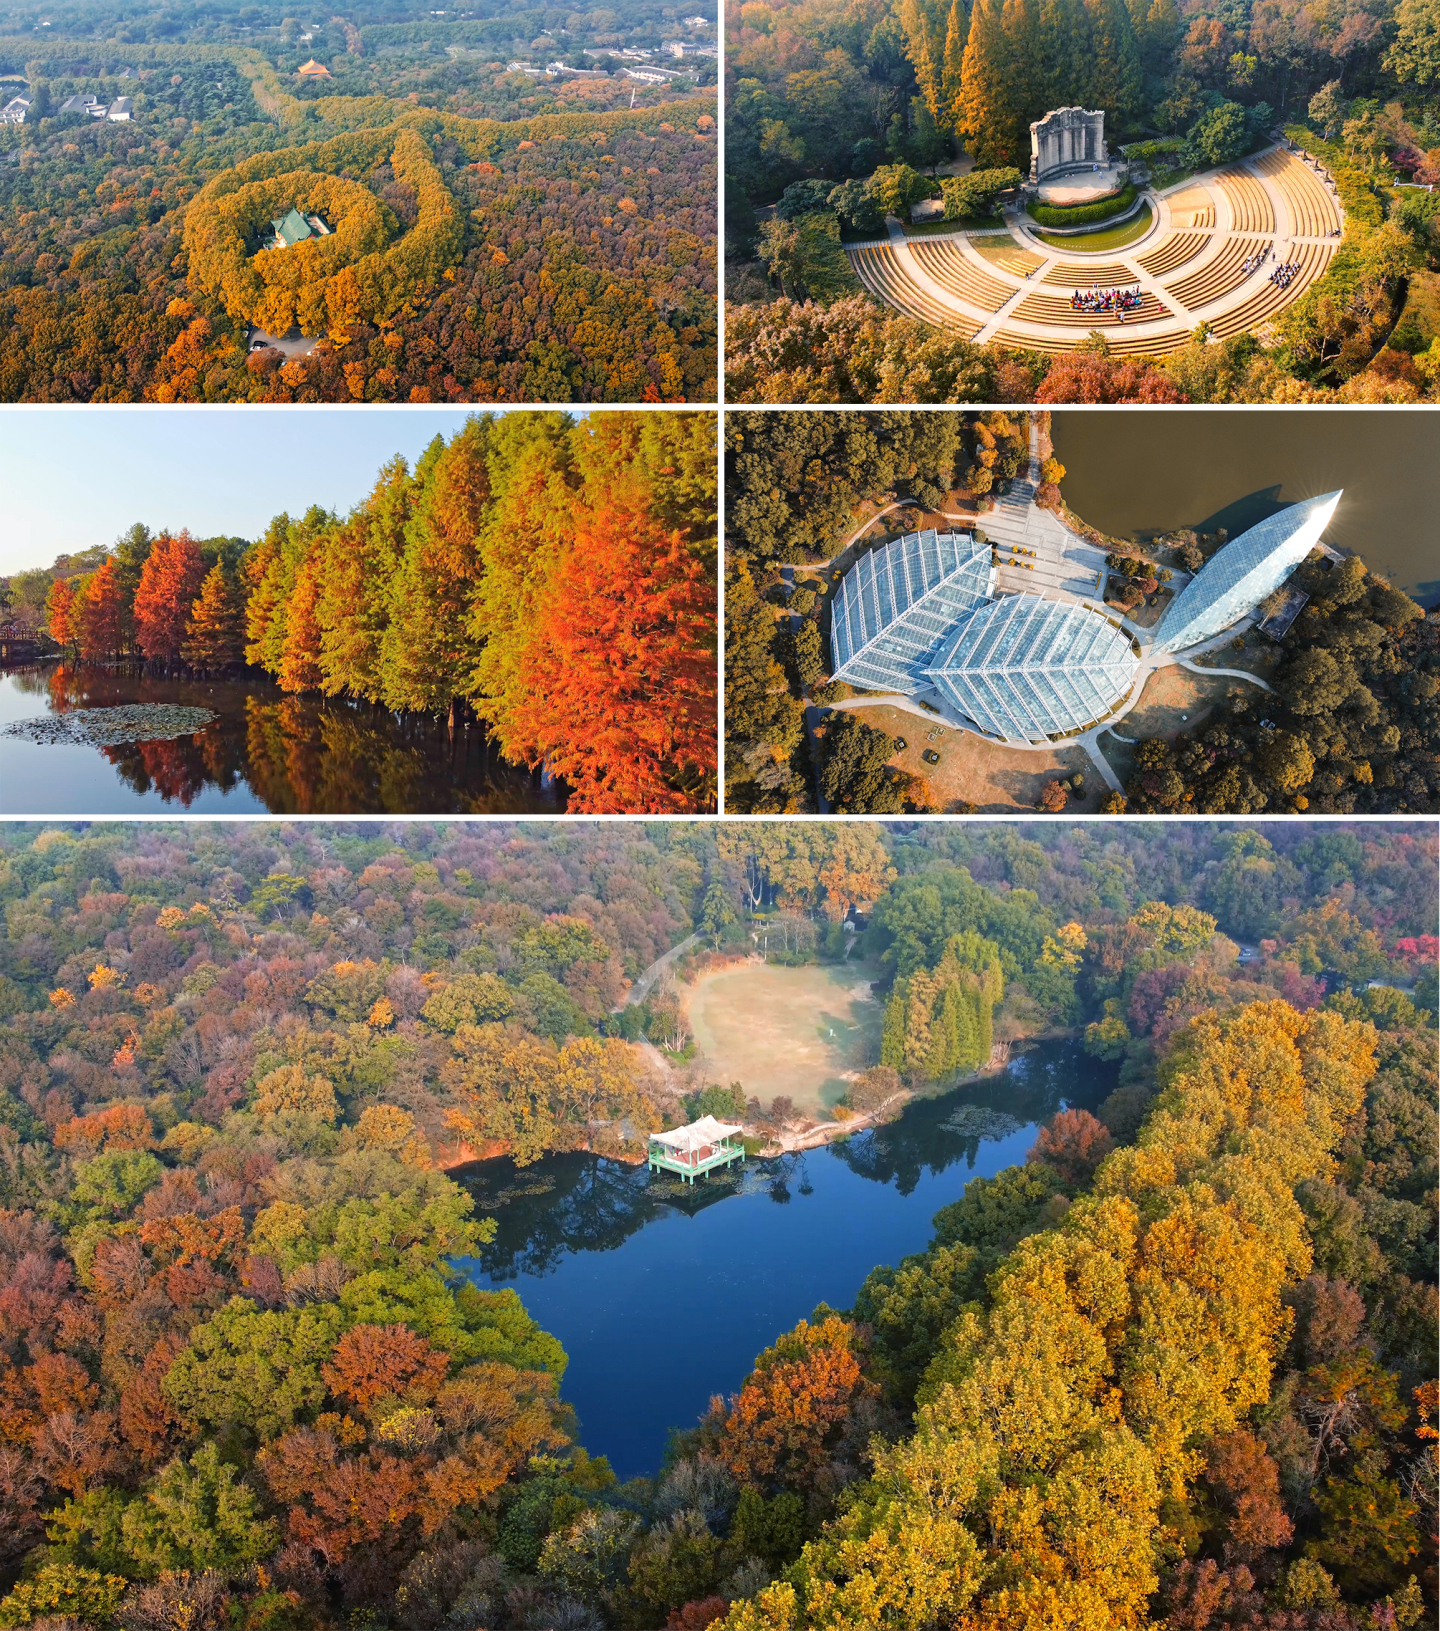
x: 312, y: 67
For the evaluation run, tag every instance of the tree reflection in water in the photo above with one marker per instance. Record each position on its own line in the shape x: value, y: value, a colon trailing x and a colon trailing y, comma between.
x: 298, y: 755
x: 575, y: 1203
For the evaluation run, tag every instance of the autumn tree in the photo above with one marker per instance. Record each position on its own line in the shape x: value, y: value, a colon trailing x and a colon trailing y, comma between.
x: 61, y: 613
x: 620, y: 679
x: 170, y: 581
x: 100, y: 615
x: 428, y: 649
x: 215, y: 635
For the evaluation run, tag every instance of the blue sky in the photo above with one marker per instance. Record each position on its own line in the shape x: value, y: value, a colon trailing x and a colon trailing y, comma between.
x: 72, y: 477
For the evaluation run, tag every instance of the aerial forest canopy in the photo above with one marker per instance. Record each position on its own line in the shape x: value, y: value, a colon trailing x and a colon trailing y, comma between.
x: 487, y: 234
x: 1177, y: 1369
x: 842, y: 115
x: 553, y: 576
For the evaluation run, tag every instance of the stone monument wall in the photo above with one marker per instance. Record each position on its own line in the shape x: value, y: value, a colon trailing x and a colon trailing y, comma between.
x: 1066, y: 139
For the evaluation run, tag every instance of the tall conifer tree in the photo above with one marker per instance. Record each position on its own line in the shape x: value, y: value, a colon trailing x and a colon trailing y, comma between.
x: 100, y: 614
x: 429, y: 648
x: 170, y: 579
x: 987, y: 117
x: 361, y: 558
x: 215, y: 637
x: 953, y: 67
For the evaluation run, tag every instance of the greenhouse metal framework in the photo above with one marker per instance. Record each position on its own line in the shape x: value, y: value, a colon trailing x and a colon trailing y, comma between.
x: 1026, y: 669
x: 897, y: 605
x: 1234, y: 582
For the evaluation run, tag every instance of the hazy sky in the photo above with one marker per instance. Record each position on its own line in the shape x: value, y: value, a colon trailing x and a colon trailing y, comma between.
x: 71, y: 477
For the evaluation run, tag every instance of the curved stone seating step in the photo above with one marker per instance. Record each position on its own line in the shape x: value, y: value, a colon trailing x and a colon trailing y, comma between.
x: 1217, y: 277
x: 1313, y: 212
x: 967, y: 286
x: 1249, y: 202
x: 1270, y: 297
x: 1192, y: 208
x: 1008, y: 257
x: 1173, y: 252
x: 879, y: 270
x: 1039, y: 308
x: 947, y: 264
x: 1073, y: 275
x: 1120, y: 343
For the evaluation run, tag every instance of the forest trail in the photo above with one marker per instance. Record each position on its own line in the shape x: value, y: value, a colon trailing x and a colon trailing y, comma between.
x: 645, y: 983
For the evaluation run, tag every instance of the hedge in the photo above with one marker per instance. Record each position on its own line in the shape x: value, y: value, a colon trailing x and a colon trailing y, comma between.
x: 1077, y: 215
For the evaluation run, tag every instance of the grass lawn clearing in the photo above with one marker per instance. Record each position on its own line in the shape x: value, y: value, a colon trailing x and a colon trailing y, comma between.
x: 1103, y: 238
x: 791, y: 1031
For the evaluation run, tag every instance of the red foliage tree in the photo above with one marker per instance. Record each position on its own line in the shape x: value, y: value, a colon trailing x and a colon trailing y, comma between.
x: 621, y: 674
x: 1074, y: 1143
x: 1247, y: 1482
x: 60, y: 618
x: 697, y: 1615
x: 100, y: 615
x: 170, y: 580
x: 1090, y: 377
x: 784, y: 1425
x: 372, y: 1360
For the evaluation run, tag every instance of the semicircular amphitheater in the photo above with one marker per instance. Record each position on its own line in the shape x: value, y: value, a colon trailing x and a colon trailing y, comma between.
x: 1004, y: 632
x: 1230, y: 248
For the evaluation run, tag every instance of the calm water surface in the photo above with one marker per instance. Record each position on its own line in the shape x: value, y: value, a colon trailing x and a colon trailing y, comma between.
x: 305, y: 755
x: 663, y: 1296
x: 1134, y: 474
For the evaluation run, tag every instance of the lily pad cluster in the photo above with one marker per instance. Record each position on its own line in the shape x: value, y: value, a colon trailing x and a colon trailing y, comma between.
x: 114, y: 727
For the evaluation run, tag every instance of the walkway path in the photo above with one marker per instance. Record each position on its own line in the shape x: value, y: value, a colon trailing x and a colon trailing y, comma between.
x: 645, y: 983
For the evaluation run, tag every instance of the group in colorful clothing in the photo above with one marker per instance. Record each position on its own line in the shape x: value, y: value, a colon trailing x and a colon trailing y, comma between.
x: 1116, y: 300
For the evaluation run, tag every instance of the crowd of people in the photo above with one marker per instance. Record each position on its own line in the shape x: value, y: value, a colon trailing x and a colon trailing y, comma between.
x: 1107, y: 300
x: 1253, y: 263
x: 1285, y: 273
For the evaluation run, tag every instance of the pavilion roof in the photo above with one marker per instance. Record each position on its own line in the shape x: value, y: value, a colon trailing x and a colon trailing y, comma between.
x: 697, y: 1135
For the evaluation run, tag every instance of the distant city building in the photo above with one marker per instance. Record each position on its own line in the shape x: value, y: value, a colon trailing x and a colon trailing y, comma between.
x: 695, y: 22
x: 90, y: 104
x: 691, y: 48
x: 648, y: 76
x: 14, y: 111
x: 121, y: 110
x: 1234, y: 581
x: 312, y: 70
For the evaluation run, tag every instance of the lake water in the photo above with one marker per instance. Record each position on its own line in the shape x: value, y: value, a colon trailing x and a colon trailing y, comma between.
x: 663, y: 1296
x: 1132, y: 474
x: 268, y: 751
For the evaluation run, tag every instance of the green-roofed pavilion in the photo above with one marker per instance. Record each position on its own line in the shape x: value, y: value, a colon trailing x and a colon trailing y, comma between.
x: 293, y: 229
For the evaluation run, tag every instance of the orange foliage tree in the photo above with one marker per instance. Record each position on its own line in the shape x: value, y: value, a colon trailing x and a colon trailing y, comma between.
x: 60, y: 612
x: 372, y: 1360
x: 100, y: 615
x: 215, y: 635
x: 621, y: 674
x: 786, y: 1423
x: 169, y: 582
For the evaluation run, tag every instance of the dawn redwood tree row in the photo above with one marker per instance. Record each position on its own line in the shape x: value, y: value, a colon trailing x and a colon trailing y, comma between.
x: 553, y: 577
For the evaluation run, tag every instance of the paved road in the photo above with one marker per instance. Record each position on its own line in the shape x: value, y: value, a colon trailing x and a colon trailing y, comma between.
x: 645, y: 983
